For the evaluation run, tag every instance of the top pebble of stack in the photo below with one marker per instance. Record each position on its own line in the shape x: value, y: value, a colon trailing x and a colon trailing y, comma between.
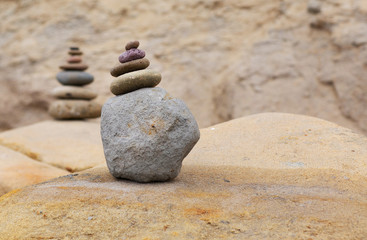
x: 133, y: 44
x: 131, y: 73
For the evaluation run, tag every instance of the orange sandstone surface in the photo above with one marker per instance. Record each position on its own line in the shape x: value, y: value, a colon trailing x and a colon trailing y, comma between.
x: 265, y: 176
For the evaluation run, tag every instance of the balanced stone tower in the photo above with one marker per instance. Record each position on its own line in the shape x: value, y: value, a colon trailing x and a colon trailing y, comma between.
x: 146, y: 133
x: 75, y: 100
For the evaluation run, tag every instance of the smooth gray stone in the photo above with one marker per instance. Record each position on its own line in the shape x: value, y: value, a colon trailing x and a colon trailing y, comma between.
x: 73, y: 92
x: 146, y: 135
x: 74, y: 78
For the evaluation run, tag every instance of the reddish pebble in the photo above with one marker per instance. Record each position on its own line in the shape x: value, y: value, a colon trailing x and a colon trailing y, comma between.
x: 131, y: 54
x: 74, y: 59
x: 74, y: 66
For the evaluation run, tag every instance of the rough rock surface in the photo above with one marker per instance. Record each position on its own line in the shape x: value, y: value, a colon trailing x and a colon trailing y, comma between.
x: 17, y: 171
x: 69, y: 145
x: 146, y: 134
x: 280, y: 58
x: 269, y: 196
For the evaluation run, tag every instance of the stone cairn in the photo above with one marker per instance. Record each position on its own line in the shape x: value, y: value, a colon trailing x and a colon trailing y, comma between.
x: 146, y: 133
x: 76, y: 101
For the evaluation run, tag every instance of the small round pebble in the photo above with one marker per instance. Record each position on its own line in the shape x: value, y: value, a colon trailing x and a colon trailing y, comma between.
x: 131, y: 54
x: 132, y: 81
x: 131, y: 66
x: 132, y: 44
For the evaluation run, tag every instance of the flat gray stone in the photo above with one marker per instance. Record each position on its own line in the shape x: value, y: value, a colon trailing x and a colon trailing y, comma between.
x: 76, y: 78
x: 74, y: 109
x: 72, y: 92
x: 146, y: 134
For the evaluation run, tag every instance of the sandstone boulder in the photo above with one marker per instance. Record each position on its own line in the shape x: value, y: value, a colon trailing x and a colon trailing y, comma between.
x: 18, y: 170
x: 69, y: 145
x: 281, y: 141
x: 267, y: 176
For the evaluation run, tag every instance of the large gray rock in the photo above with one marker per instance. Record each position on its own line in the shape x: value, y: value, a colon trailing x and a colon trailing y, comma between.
x: 146, y: 134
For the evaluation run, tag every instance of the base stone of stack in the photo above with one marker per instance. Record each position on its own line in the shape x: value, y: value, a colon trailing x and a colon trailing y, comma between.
x: 146, y: 134
x: 74, y: 109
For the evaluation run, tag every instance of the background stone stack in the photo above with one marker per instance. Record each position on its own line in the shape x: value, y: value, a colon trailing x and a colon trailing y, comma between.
x: 76, y: 101
x: 146, y: 133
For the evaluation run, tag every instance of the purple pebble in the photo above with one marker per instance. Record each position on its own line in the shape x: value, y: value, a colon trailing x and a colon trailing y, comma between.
x: 131, y: 54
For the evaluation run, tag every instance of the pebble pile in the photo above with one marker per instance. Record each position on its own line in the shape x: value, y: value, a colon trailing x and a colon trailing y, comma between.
x: 75, y: 100
x: 131, y: 73
x: 146, y: 133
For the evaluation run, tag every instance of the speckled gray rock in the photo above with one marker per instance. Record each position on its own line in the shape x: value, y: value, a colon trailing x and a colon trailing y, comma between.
x: 146, y: 134
x: 74, y: 109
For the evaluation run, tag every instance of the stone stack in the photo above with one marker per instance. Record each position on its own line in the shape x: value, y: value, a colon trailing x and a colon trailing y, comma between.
x: 75, y: 100
x: 146, y: 133
x: 131, y: 73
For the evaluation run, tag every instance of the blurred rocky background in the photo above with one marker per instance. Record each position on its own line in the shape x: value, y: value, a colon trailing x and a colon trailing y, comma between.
x: 225, y: 59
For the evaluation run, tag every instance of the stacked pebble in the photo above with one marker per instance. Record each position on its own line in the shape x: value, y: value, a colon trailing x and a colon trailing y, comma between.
x: 76, y: 101
x: 131, y: 73
x: 146, y: 133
